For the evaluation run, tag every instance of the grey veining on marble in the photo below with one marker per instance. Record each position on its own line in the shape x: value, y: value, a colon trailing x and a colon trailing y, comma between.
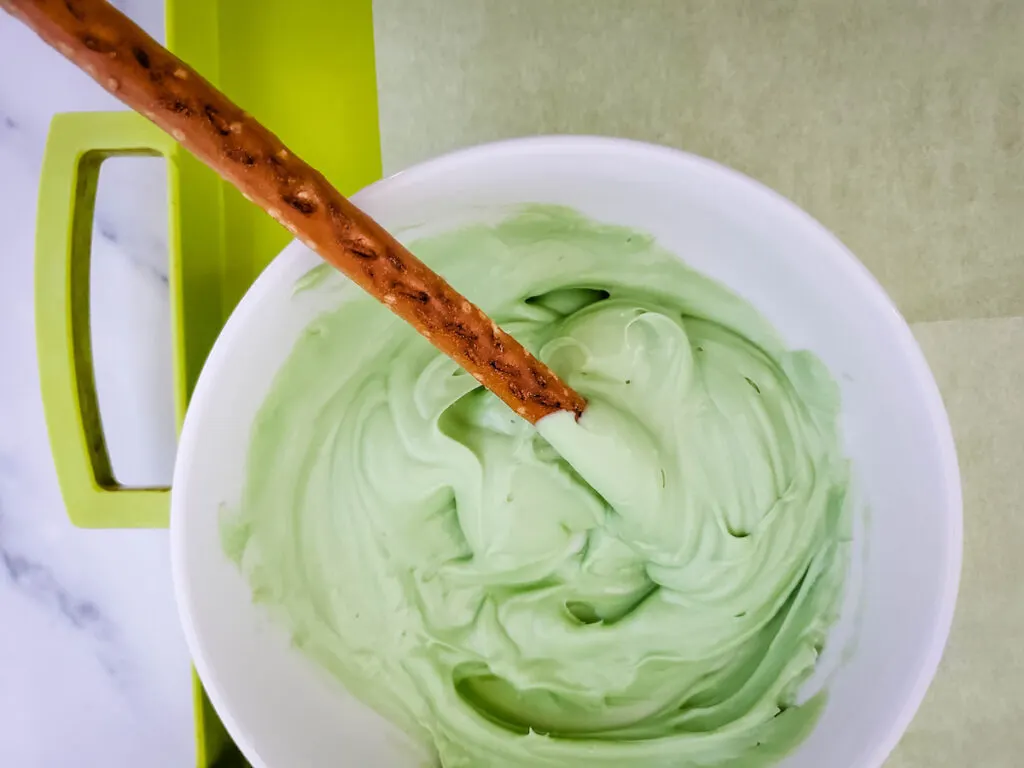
x: 95, y: 670
x: 129, y: 274
x: 897, y: 123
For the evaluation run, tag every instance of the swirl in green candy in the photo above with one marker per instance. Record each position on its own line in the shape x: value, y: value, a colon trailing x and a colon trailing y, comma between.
x: 647, y: 587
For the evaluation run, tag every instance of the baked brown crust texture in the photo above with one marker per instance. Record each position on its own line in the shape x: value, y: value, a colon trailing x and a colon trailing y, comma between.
x: 147, y: 77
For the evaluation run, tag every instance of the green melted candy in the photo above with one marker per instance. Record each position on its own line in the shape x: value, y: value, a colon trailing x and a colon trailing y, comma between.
x: 647, y: 587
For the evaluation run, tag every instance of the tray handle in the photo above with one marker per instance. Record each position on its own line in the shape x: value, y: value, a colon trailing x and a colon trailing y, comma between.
x: 77, y: 145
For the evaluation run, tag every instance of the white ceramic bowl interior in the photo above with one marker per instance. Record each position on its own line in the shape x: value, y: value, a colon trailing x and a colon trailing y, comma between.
x: 283, y: 711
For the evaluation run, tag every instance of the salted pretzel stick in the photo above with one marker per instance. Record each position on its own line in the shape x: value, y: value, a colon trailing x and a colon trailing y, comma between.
x: 147, y: 77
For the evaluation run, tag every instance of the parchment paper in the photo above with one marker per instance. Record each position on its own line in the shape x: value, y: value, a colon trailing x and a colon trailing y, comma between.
x: 899, y: 124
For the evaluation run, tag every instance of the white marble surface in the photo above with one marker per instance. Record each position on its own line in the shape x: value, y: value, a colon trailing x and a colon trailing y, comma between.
x: 95, y: 670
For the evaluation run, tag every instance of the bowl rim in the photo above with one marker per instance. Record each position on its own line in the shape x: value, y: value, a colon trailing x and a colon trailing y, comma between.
x: 686, y: 161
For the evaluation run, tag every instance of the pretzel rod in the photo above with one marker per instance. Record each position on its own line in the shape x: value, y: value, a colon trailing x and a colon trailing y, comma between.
x: 147, y: 77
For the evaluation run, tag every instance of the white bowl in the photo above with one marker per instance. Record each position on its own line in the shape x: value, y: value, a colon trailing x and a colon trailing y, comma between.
x: 283, y: 711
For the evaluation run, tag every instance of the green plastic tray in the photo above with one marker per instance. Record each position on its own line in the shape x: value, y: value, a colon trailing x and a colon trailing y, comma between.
x: 306, y: 69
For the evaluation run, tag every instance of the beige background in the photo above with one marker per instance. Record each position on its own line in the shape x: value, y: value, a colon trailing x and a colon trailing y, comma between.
x: 899, y: 124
